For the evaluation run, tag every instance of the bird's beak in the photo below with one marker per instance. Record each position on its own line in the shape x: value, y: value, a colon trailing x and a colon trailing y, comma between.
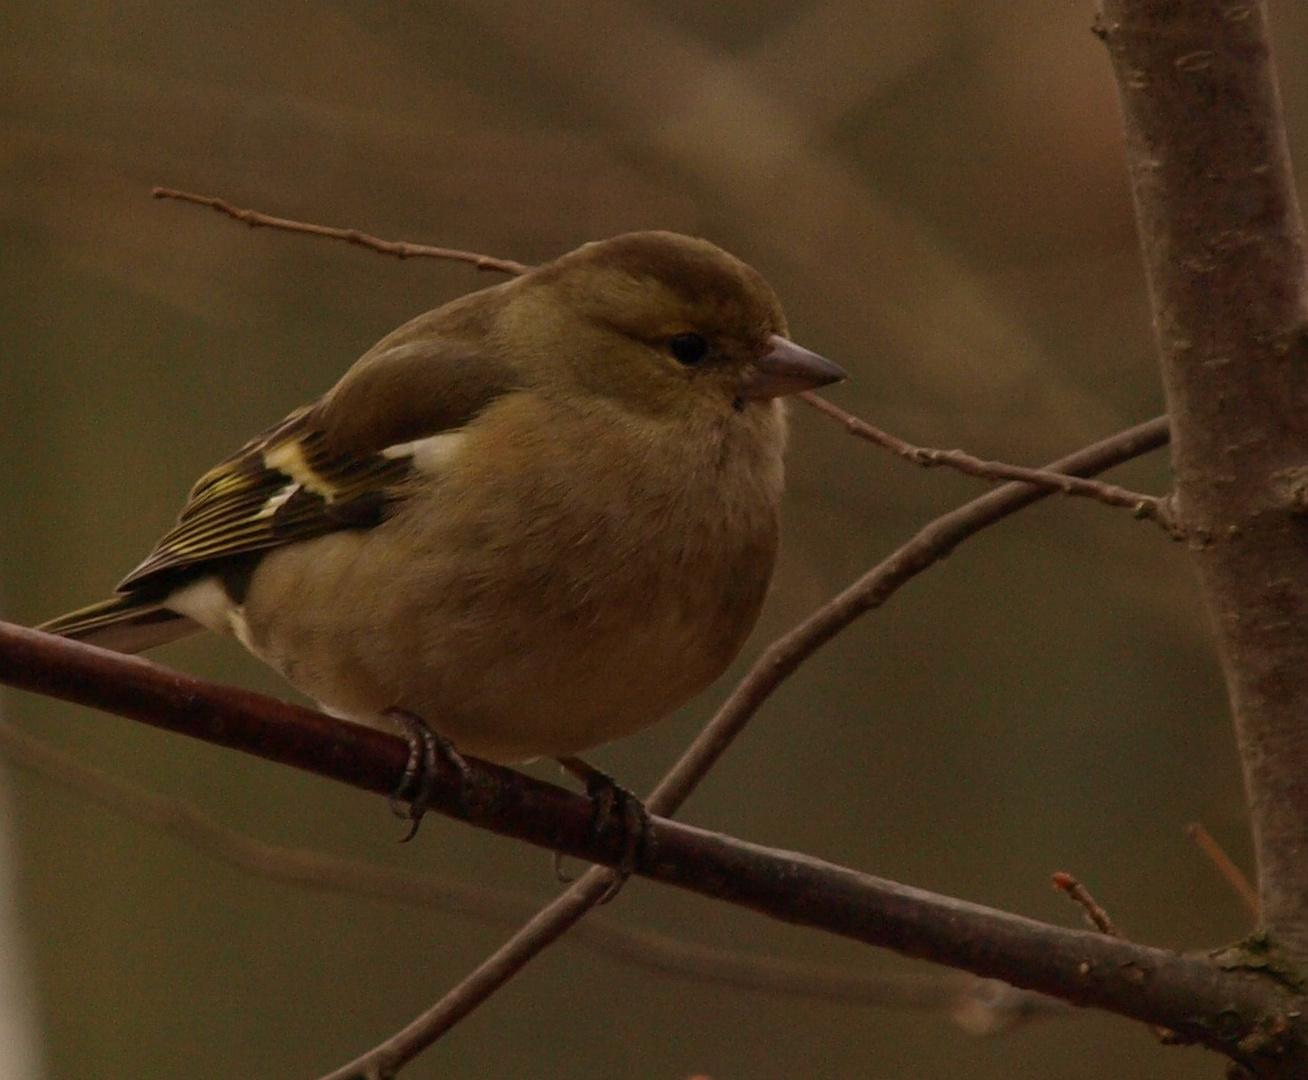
x: 788, y: 368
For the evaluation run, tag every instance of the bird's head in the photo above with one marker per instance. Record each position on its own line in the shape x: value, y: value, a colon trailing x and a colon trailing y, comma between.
x: 661, y: 322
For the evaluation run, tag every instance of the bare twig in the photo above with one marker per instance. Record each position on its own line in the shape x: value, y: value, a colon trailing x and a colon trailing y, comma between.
x: 399, y: 248
x: 1079, y: 894
x: 1149, y: 507
x: 1234, y: 876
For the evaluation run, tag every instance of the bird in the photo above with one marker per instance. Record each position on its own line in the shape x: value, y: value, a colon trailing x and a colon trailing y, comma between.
x: 533, y: 520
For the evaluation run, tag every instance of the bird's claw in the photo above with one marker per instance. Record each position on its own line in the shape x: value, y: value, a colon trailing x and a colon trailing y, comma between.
x: 611, y: 802
x: 426, y: 750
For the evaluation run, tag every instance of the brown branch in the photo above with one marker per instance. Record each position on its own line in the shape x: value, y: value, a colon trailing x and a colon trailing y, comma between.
x: 1148, y: 507
x: 981, y: 1006
x: 1224, y: 253
x: 399, y: 248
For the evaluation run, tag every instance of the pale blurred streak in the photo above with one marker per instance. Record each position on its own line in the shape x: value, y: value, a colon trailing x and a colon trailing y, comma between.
x: 747, y: 135
x: 20, y: 1054
x: 717, y: 121
x: 80, y: 156
x: 833, y: 56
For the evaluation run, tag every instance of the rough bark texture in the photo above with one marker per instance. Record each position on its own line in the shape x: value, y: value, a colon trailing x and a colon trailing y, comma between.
x: 1223, y: 247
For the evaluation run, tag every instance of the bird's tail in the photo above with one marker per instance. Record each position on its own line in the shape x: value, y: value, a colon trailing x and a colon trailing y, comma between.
x: 125, y: 623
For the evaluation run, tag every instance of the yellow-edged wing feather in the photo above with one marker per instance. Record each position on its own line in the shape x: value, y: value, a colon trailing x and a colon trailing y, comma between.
x: 281, y: 487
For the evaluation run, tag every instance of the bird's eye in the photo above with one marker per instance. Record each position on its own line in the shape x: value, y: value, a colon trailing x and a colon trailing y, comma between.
x: 689, y: 349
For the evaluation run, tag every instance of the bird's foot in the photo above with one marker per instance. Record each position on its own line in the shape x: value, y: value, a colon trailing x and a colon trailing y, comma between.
x: 427, y: 750
x: 612, y: 802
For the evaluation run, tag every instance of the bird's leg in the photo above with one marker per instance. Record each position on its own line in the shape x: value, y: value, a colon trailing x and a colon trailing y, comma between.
x: 426, y: 750
x: 612, y: 800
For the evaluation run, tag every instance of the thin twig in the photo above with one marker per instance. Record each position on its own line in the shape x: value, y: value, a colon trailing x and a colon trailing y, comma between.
x: 399, y: 248
x: 1097, y: 916
x: 1234, y: 876
x: 1148, y: 507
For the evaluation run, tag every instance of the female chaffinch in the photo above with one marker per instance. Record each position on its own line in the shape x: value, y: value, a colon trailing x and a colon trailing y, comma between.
x: 539, y: 517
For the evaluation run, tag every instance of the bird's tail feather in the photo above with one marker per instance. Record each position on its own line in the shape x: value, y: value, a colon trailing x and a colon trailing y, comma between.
x: 123, y: 623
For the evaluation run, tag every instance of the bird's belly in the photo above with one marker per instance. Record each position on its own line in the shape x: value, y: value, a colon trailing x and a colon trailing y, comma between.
x: 507, y: 671
x: 564, y: 692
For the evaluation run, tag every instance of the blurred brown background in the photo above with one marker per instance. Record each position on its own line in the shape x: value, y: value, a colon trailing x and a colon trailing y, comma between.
x: 936, y: 190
